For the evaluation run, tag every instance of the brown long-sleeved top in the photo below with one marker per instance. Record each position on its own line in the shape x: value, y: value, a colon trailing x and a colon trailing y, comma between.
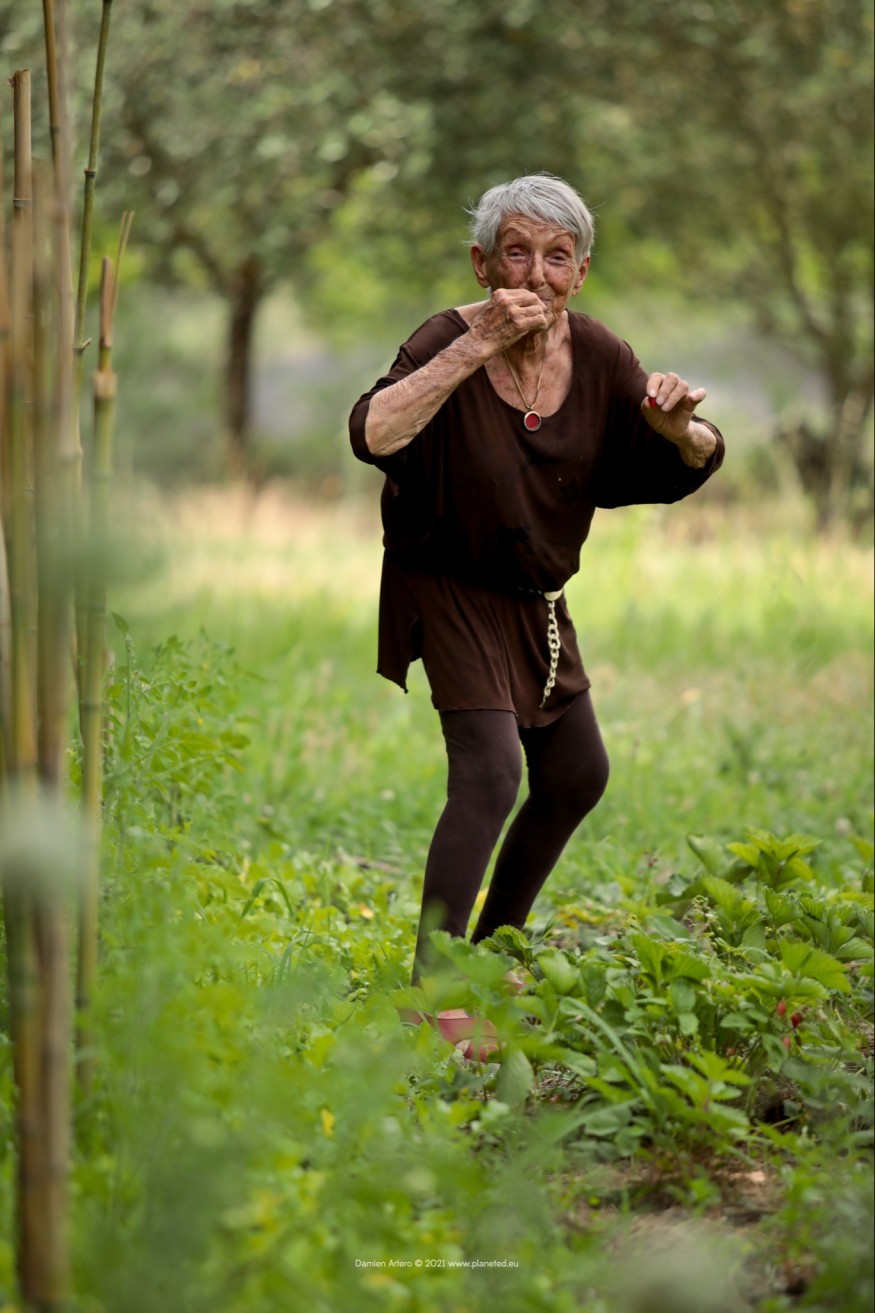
x: 480, y: 515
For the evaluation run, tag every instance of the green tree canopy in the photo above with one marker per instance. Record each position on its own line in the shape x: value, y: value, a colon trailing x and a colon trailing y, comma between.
x: 757, y: 169
x: 237, y: 129
x: 256, y: 139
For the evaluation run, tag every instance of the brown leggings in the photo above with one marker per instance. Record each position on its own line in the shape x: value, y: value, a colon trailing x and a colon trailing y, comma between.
x: 567, y: 768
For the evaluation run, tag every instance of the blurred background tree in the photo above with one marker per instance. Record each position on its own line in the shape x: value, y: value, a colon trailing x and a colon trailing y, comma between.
x: 241, y: 127
x: 330, y: 147
x: 756, y: 171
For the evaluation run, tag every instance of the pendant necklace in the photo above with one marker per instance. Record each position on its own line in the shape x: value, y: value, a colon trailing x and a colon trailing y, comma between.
x: 531, y: 419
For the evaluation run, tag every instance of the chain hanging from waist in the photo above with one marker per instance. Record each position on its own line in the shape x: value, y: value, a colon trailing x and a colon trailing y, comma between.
x: 554, y: 642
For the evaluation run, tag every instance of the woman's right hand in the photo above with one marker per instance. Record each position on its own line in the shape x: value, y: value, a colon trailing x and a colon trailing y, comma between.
x: 509, y: 314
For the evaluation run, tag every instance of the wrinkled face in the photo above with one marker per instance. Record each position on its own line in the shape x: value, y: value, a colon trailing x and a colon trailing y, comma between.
x: 535, y: 256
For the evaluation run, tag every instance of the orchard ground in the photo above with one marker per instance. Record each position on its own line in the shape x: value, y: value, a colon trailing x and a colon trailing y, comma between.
x: 680, y: 1116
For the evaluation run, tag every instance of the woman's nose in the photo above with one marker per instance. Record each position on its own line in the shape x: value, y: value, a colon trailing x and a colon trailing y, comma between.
x: 536, y: 271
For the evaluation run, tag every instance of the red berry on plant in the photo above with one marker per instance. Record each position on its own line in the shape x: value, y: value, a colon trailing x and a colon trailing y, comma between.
x: 796, y: 1018
x: 787, y: 1042
x: 782, y: 1008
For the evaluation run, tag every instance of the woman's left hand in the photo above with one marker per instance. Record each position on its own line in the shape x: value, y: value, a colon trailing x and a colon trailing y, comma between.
x: 669, y: 405
x: 668, y: 408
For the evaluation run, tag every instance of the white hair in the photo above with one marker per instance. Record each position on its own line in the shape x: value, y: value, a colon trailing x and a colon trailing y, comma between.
x: 539, y: 196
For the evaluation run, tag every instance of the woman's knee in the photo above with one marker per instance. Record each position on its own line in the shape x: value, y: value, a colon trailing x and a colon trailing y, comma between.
x: 485, y: 760
x: 568, y: 763
x: 577, y: 791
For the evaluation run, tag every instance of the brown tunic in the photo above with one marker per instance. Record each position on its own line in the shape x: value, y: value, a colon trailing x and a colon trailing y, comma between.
x: 480, y: 516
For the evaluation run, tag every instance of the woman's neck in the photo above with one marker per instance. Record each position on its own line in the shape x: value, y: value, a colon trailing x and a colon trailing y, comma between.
x: 531, y: 351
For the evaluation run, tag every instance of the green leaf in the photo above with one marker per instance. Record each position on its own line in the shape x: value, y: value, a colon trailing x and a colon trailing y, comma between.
x: 685, y: 966
x: 865, y: 847
x: 855, y: 950
x: 738, y: 1023
x: 512, y: 941
x: 748, y: 852
x: 595, y: 982
x: 813, y: 964
x: 710, y: 852
x: 724, y: 895
x: 754, y: 936
x: 795, y: 845
x: 579, y: 1063
x: 668, y: 927
x: 717, y: 1068
x: 515, y: 1079
x: 606, y: 1121
x: 651, y: 954
x: 558, y: 971
x: 782, y: 910
x: 682, y: 995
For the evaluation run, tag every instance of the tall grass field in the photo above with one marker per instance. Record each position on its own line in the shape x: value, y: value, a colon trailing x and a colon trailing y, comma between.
x: 679, y: 1117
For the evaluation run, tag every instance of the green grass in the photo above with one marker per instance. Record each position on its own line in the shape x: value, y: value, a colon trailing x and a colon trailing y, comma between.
x: 262, y: 1124
x: 730, y: 660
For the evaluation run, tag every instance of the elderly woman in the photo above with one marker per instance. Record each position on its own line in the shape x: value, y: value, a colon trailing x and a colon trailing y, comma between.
x: 500, y: 428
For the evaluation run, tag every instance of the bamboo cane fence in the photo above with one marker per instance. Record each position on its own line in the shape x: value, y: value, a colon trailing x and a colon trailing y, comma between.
x: 53, y: 530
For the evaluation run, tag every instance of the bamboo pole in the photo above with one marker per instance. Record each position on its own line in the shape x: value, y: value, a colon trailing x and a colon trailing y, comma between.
x: 80, y: 343
x: 22, y: 579
x: 91, y: 687
x: 59, y: 516
x: 51, y: 1292
x: 19, y: 910
x: 59, y: 453
x: 5, y: 331
x: 88, y: 197
x: 99, y: 475
x: 58, y: 489
x: 49, y: 1287
x: 5, y: 652
x: 5, y: 385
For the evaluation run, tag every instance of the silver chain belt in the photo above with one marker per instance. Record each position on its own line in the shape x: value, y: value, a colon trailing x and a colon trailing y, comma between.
x: 553, y: 641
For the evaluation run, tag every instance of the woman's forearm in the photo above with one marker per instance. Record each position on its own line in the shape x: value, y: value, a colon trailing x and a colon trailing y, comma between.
x: 697, y: 446
x: 397, y: 413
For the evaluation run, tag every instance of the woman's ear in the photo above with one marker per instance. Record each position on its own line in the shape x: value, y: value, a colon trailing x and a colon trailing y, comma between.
x: 582, y: 271
x: 478, y: 260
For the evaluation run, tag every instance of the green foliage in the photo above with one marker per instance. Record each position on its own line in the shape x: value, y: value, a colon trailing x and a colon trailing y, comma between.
x: 691, y: 1015
x: 248, y: 1025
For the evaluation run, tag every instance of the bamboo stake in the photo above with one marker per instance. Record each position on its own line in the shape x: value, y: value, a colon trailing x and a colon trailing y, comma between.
x: 18, y: 901
x: 80, y: 343
x: 5, y: 385
x: 21, y: 545
x: 51, y: 1292
x: 88, y: 198
x: 59, y: 474
x: 60, y: 138
x: 52, y: 76
x: 49, y: 1286
x: 5, y: 331
x: 100, y: 471
x: 58, y: 488
x: 21, y: 954
x: 5, y: 654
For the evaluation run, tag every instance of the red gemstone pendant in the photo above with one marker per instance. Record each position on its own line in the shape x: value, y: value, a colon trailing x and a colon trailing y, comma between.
x: 532, y: 420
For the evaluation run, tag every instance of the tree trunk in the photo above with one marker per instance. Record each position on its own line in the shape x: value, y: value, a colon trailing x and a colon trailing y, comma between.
x: 831, y: 463
x: 244, y: 296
